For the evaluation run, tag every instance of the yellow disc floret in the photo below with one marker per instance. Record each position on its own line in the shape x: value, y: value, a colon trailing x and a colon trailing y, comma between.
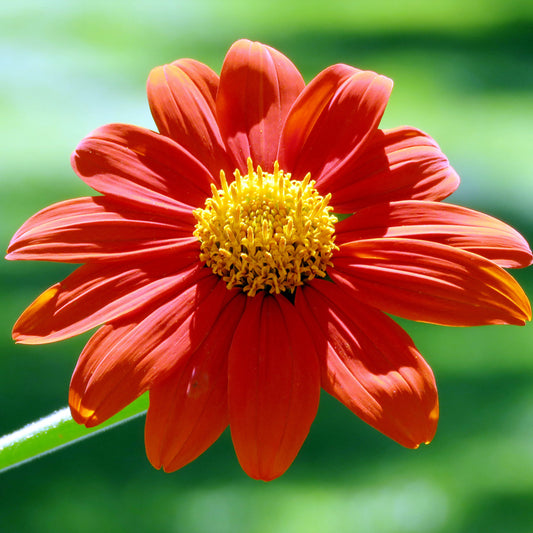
x: 266, y: 231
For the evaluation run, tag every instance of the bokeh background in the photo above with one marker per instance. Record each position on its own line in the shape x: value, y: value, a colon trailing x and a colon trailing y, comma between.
x: 463, y: 71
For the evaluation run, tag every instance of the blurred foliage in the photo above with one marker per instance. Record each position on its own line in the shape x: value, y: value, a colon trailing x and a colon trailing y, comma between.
x: 462, y: 71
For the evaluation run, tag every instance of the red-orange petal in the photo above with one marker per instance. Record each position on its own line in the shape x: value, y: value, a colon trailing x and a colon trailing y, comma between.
x: 330, y: 122
x: 438, y: 222
x: 127, y: 357
x: 274, y: 386
x: 97, y: 293
x: 143, y: 168
x: 96, y: 228
x: 429, y: 282
x: 189, y: 410
x: 206, y: 79
x: 370, y: 364
x: 182, y: 104
x: 258, y: 85
x: 398, y: 164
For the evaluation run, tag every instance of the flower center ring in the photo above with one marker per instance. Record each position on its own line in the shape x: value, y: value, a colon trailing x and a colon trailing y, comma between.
x: 266, y: 231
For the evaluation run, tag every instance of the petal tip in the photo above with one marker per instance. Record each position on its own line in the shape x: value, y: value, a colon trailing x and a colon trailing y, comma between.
x: 79, y: 413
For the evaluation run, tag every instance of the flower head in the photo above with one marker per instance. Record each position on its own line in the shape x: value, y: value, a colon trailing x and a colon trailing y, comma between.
x: 244, y: 257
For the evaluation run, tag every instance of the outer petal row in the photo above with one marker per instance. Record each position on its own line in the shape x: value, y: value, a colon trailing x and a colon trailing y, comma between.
x: 267, y: 83
x: 370, y: 364
x: 144, y: 169
x: 429, y: 282
x: 128, y: 356
x: 182, y: 100
x: 95, y: 293
x: 438, y: 222
x: 330, y: 122
x: 189, y: 410
x: 97, y: 228
x: 274, y: 386
x: 399, y: 164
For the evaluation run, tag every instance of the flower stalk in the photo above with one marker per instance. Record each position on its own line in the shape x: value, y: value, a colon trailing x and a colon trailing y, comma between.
x: 56, y: 431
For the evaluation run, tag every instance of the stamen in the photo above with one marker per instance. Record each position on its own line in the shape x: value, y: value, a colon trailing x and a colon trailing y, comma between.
x: 216, y: 196
x: 250, y: 167
x: 260, y: 178
x: 224, y: 183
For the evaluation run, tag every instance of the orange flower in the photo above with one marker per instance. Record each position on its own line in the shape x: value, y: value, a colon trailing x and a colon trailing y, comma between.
x: 224, y: 284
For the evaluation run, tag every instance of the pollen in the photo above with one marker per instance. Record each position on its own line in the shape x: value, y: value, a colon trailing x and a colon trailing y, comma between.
x: 266, y: 231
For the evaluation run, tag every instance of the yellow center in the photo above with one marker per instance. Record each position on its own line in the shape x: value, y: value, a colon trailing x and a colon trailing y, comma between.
x: 266, y: 231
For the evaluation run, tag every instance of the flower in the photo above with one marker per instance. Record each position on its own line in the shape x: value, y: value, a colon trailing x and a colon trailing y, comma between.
x: 244, y: 257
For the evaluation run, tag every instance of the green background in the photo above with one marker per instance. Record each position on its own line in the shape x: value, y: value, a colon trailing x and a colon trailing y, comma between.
x: 463, y: 71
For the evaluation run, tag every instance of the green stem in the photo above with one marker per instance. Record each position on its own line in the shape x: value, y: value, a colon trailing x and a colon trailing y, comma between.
x: 56, y: 431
